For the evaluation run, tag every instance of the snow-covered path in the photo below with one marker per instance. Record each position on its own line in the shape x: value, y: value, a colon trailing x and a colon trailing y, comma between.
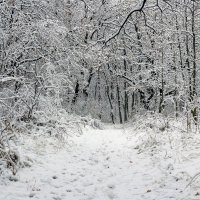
x: 101, y: 165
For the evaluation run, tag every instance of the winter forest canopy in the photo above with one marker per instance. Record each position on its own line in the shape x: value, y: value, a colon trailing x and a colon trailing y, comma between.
x: 108, y: 59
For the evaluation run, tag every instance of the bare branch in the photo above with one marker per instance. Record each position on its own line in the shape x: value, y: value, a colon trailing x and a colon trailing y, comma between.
x: 125, y: 21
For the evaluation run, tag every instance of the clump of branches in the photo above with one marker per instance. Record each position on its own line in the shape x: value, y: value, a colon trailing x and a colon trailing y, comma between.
x: 9, y: 157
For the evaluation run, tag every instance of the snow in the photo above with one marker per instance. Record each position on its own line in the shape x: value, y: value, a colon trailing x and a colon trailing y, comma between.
x: 6, y: 79
x: 112, y: 163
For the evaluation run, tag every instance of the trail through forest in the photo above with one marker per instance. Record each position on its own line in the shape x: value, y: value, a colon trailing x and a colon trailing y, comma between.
x: 99, y: 165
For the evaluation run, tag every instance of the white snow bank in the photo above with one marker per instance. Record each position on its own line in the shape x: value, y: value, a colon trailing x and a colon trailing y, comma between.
x: 140, y: 161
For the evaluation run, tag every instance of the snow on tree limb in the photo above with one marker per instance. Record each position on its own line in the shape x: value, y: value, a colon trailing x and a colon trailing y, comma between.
x: 125, y: 21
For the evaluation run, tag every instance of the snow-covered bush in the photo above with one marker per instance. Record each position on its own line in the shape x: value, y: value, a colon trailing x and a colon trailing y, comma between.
x: 34, y: 70
x: 8, y: 156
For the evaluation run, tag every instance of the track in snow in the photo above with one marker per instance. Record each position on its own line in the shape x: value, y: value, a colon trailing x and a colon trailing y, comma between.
x: 101, y: 165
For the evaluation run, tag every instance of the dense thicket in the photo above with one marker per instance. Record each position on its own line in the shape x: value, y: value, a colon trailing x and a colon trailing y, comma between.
x: 148, y: 59
x: 110, y: 59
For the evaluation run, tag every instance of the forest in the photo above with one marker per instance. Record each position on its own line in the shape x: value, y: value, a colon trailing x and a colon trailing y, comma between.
x: 119, y: 74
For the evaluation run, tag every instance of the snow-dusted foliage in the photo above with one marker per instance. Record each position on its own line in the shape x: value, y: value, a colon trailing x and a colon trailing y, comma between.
x: 110, y: 60
x: 137, y: 56
x: 69, y: 66
x: 35, y: 52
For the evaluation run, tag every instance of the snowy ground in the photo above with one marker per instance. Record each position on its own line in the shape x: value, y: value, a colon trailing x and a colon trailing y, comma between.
x: 104, y: 165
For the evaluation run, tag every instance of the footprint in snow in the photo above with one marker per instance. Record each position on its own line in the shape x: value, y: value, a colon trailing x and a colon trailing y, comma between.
x: 106, y: 166
x: 54, y: 177
x: 111, y: 186
x: 90, y: 198
x: 58, y: 186
x: 74, y: 180
x: 78, y: 190
x: 99, y: 180
x: 31, y: 195
x: 87, y: 184
x: 53, y: 193
x: 104, y: 154
x: 111, y: 195
x: 57, y: 198
x: 108, y: 158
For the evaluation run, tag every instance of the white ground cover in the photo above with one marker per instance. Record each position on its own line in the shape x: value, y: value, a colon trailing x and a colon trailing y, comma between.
x: 144, y: 161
